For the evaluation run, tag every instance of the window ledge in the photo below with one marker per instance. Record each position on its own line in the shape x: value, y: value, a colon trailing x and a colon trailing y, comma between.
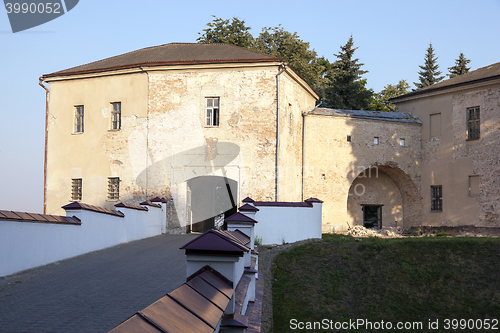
x: 77, y: 133
x: 114, y: 130
x: 436, y: 211
x: 207, y: 126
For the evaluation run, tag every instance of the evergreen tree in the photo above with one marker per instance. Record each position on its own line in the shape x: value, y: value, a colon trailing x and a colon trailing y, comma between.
x: 460, y: 66
x: 226, y: 31
x: 346, y: 89
x: 429, y: 73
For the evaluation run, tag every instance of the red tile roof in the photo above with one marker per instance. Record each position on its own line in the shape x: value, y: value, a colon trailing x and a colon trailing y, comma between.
x: 150, y: 203
x: 6, y: 215
x: 79, y: 205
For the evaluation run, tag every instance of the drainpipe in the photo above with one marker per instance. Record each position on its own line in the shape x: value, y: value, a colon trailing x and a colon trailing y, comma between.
x: 387, y: 104
x: 278, y: 130
x: 40, y: 80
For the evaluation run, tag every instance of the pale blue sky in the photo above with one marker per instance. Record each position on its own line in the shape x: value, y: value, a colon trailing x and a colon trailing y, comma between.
x: 392, y: 37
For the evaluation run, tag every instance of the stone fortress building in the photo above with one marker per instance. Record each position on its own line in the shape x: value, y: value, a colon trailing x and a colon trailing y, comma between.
x: 206, y: 125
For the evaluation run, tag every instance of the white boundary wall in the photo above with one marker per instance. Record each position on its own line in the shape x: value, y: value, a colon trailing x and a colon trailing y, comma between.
x: 284, y: 224
x: 25, y: 245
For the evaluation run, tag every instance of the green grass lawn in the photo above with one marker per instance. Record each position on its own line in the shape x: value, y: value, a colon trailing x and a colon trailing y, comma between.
x: 394, y: 280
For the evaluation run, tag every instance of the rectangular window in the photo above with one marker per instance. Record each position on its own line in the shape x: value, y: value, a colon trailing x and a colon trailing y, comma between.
x: 76, y: 189
x: 113, y: 188
x: 212, y: 111
x: 79, y: 119
x: 437, y: 198
x: 473, y: 186
x: 473, y: 123
x: 402, y: 142
x: 116, y: 116
x: 349, y: 139
x: 375, y: 140
x: 435, y: 125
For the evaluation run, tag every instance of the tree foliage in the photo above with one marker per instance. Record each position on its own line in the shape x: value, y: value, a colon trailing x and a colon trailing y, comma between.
x: 232, y: 31
x: 273, y: 41
x: 297, y: 53
x: 429, y: 73
x: 378, y: 101
x: 346, y: 88
x: 460, y: 66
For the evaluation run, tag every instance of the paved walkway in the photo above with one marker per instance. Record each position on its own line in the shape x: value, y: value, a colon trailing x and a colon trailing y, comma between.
x: 94, y: 292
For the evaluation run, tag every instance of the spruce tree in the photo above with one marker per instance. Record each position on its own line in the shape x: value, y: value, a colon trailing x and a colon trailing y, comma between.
x: 346, y: 89
x: 429, y: 73
x: 460, y: 66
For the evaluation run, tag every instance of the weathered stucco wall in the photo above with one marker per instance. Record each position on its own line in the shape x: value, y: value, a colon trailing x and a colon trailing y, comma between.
x: 164, y: 140
x: 86, y: 155
x: 449, y: 158
x: 333, y: 163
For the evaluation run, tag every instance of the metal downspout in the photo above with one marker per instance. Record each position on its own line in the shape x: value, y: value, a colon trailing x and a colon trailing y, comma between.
x: 276, y: 178
x: 40, y: 80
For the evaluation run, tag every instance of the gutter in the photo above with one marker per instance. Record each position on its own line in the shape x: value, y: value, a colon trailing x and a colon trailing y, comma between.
x: 40, y: 80
x: 276, y: 178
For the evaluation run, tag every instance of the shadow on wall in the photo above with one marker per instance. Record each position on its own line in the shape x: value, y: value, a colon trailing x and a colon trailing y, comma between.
x: 385, y: 177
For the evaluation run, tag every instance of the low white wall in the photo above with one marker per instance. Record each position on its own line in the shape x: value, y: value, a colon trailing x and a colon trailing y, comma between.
x: 278, y: 224
x: 25, y: 245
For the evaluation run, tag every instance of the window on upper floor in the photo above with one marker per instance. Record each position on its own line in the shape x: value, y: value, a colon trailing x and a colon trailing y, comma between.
x: 116, y: 115
x: 473, y: 123
x: 76, y: 189
x: 402, y: 142
x: 113, y: 188
x: 212, y: 111
x: 376, y: 140
x: 78, y: 119
x: 437, y: 198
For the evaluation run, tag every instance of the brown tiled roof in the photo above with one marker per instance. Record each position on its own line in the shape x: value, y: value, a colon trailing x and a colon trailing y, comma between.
x: 150, y: 203
x: 216, y: 242
x: 6, y: 215
x: 171, y: 54
x: 487, y: 73
x: 196, y: 306
x: 79, y: 205
x: 125, y: 205
x: 313, y: 200
x: 239, y: 217
x: 158, y: 199
x: 248, y: 208
x: 282, y: 204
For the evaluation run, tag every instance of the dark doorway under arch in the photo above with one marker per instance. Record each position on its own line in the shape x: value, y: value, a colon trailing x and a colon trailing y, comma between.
x: 209, y: 200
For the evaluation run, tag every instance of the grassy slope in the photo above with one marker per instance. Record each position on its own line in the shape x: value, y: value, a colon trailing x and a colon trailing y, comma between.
x: 412, y: 279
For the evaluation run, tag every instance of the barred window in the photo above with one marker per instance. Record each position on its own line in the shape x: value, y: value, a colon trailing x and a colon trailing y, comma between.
x: 76, y: 189
x: 79, y: 119
x: 116, y: 116
x: 113, y: 188
x: 437, y: 198
x: 212, y: 111
x: 473, y: 123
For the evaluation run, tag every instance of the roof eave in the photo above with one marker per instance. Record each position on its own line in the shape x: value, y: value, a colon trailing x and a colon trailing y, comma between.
x: 441, y: 90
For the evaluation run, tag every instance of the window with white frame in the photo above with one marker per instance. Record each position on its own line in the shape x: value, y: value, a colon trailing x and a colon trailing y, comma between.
x: 212, y: 111
x: 113, y: 188
x: 79, y: 119
x: 76, y: 189
x: 116, y: 115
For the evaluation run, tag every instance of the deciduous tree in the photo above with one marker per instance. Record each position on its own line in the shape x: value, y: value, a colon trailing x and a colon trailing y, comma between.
x: 378, y: 102
x: 232, y: 31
